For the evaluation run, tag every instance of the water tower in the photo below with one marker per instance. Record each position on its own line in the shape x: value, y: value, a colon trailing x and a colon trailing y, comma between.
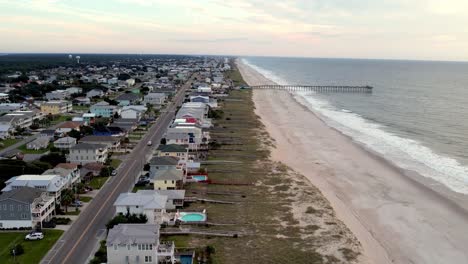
x: 78, y: 59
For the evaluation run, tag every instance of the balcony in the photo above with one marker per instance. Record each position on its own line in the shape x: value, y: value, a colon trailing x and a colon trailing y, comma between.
x: 166, y: 249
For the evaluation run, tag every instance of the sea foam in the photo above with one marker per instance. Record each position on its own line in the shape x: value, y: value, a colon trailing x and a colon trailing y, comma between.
x: 406, y: 153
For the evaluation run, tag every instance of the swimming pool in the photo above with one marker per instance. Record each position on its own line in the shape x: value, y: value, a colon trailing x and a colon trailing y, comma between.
x: 186, y: 259
x: 199, y: 177
x: 192, y: 217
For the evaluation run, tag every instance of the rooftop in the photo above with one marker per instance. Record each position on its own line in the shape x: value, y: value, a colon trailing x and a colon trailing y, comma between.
x: 166, y: 160
x: 88, y: 146
x: 172, y: 148
x: 124, y: 234
x: 25, y: 194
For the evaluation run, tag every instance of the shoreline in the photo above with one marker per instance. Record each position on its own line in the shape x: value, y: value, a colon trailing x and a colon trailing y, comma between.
x: 390, y: 211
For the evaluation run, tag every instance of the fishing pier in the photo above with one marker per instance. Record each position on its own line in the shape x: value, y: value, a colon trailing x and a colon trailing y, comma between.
x: 317, y: 88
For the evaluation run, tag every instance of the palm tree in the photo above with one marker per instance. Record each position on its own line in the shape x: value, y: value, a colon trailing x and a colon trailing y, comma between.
x: 67, y: 198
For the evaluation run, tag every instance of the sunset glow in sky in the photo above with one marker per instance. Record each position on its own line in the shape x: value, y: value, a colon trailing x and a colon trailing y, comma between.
x: 394, y: 29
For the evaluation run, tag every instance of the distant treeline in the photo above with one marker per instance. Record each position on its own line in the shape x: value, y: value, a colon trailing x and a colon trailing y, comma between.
x: 29, y: 62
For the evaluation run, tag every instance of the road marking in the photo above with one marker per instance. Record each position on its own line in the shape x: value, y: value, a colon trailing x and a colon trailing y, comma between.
x: 157, y: 128
x: 95, y: 216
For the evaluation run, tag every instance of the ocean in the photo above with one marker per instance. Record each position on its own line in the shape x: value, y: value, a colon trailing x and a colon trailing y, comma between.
x: 416, y: 116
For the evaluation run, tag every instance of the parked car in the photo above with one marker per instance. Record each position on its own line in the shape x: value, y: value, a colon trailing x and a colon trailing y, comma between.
x: 77, y: 203
x: 34, y: 236
x: 150, y: 143
x: 114, y: 172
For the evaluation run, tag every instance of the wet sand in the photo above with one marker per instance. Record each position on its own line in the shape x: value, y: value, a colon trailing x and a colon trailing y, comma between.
x: 396, y: 217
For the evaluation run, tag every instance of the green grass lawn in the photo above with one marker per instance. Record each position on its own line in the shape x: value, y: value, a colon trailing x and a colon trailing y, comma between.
x: 98, y: 182
x: 8, y: 142
x: 115, y: 163
x: 32, y: 151
x: 80, y: 108
x: 72, y: 211
x: 85, y: 199
x: 33, y: 250
x: 60, y: 119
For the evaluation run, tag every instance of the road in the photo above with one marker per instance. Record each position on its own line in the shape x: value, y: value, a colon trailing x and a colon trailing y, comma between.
x: 25, y: 140
x: 78, y: 243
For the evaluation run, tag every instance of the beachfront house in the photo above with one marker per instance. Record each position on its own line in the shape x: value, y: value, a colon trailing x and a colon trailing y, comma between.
x: 172, y: 150
x: 137, y: 243
x: 175, y: 198
x: 151, y: 204
x: 171, y: 179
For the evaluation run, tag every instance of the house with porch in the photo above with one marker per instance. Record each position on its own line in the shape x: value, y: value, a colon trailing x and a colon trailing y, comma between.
x: 83, y: 153
x: 52, y: 184
x: 104, y: 109
x: 65, y: 143
x: 172, y: 150
x: 171, y: 179
x: 112, y: 143
x: 38, y: 143
x: 151, y: 204
x: 137, y: 243
x: 25, y: 207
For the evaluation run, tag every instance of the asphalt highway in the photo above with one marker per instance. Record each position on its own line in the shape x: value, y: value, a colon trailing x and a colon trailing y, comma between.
x: 79, y: 242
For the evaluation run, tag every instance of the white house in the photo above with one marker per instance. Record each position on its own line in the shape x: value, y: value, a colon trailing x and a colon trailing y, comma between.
x: 83, y: 153
x: 52, y: 184
x: 94, y: 93
x: 65, y: 143
x: 155, y: 99
x: 151, y: 204
x: 25, y: 207
x: 132, y: 113
x: 137, y: 243
x: 38, y: 143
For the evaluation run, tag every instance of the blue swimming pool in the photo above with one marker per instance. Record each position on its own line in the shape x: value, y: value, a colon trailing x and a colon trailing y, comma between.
x: 192, y: 217
x: 199, y: 177
x: 186, y: 259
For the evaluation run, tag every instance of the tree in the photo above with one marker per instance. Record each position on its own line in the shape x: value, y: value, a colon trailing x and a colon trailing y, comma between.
x: 163, y: 141
x: 53, y: 158
x: 123, y: 77
x: 67, y: 198
x: 74, y: 134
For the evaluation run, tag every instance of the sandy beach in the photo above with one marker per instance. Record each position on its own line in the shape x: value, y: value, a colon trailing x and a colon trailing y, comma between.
x: 395, y: 218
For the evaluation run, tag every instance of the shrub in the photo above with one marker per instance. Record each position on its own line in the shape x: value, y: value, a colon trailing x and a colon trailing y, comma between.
x: 17, y: 250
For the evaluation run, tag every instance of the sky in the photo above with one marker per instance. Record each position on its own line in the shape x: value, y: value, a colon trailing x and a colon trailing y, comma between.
x: 387, y: 29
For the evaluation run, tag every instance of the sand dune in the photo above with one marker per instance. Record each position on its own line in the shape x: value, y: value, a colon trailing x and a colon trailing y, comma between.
x: 396, y: 219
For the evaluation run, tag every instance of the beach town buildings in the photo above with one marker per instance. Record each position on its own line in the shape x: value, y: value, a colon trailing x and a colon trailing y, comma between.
x: 149, y: 203
x: 83, y: 153
x: 94, y: 93
x: 137, y: 243
x: 38, y: 143
x: 171, y: 179
x: 127, y: 99
x: 52, y: 184
x: 57, y: 95
x: 112, y: 143
x: 104, y: 109
x: 67, y: 126
x: 25, y: 207
x: 155, y: 99
x: 172, y: 150
x: 65, y: 143
x: 56, y: 107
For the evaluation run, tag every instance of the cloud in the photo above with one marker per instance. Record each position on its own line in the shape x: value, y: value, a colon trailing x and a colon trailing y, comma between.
x: 208, y: 40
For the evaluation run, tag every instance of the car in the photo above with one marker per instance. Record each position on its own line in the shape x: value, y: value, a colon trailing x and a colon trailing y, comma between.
x: 114, y: 172
x: 77, y: 203
x: 150, y: 143
x: 34, y: 236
